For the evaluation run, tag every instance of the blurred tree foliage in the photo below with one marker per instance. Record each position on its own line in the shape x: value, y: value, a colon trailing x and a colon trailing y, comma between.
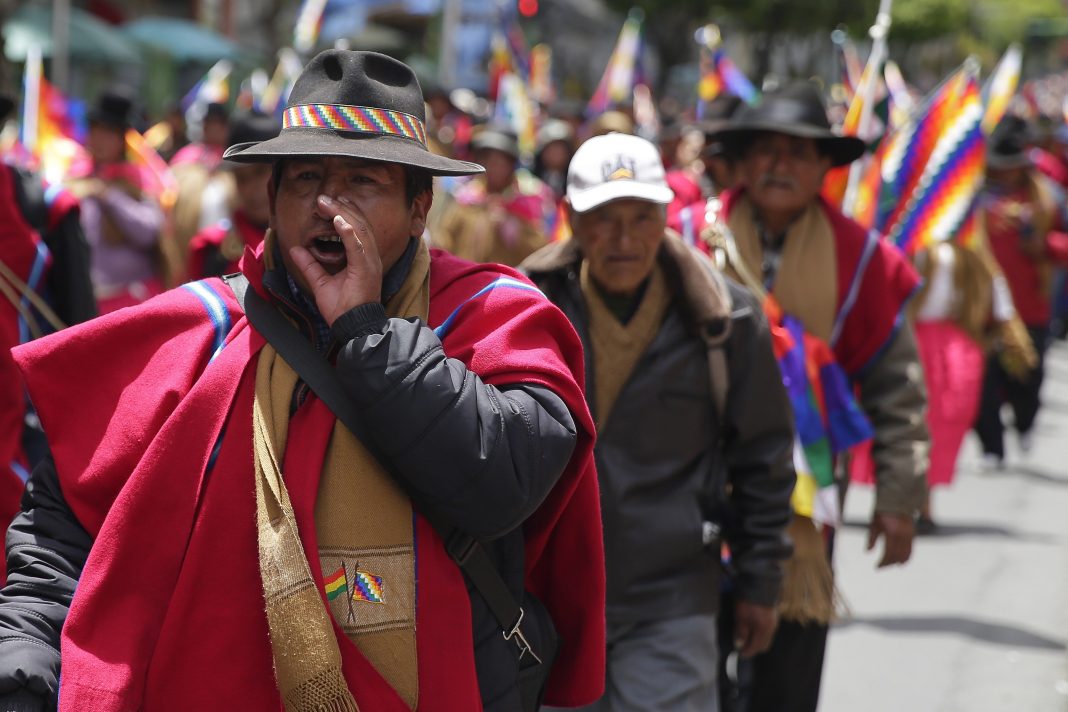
x: 969, y: 25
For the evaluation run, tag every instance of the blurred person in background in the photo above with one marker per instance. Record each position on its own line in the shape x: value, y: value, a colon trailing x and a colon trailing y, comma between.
x: 613, y: 121
x: 208, y: 151
x: 205, y: 193
x: 174, y: 136
x: 121, y: 220
x: 216, y: 250
x: 1023, y: 215
x: 450, y: 126
x: 501, y: 216
x: 555, y: 147
x: 962, y: 295
x: 688, y: 214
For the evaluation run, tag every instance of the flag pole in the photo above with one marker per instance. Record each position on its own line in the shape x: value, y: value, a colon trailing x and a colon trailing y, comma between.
x: 878, y: 33
x: 31, y: 103
x: 348, y: 590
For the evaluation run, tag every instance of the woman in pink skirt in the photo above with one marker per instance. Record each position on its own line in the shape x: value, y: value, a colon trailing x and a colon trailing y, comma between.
x: 963, y: 292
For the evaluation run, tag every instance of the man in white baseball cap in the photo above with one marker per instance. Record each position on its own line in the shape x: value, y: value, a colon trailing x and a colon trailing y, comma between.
x: 686, y: 396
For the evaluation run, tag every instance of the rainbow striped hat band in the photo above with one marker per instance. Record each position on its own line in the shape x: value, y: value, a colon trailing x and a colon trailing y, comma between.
x: 362, y: 119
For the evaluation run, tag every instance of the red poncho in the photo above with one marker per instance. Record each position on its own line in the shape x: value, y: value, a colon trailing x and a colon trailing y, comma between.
x: 24, y: 252
x: 875, y: 281
x: 149, y: 416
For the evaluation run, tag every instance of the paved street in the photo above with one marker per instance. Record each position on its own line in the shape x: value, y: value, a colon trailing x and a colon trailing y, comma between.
x: 978, y: 620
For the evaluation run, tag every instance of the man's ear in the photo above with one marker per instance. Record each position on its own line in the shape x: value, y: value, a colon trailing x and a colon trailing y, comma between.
x: 420, y: 209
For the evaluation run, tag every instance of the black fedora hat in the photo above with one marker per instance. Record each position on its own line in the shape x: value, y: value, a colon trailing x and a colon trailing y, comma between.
x: 354, y: 104
x: 216, y: 111
x: 1008, y: 145
x: 114, y: 108
x: 795, y: 109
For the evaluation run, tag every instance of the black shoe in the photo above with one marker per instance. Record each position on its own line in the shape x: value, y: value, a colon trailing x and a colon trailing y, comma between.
x: 925, y: 526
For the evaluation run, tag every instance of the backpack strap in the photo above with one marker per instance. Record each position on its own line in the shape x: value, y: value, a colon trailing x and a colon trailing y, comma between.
x: 715, y: 337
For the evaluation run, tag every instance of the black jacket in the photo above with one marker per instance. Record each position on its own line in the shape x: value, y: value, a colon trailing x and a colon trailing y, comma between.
x: 664, y: 463
x: 482, y: 457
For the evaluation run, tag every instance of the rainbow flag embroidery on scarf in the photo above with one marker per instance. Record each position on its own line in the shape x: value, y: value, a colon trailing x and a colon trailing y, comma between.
x: 336, y: 584
x: 827, y: 418
x: 368, y: 587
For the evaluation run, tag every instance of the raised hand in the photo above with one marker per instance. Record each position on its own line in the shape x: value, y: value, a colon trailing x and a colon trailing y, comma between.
x: 359, y: 280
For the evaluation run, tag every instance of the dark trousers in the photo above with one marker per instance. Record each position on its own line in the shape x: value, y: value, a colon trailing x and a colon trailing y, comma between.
x: 1021, y: 395
x: 787, y: 677
x: 784, y: 679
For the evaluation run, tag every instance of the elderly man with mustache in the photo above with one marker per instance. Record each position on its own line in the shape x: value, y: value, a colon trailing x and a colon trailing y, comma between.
x: 845, y: 289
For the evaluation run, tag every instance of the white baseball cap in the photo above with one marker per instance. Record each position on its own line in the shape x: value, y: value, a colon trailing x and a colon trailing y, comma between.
x: 616, y: 166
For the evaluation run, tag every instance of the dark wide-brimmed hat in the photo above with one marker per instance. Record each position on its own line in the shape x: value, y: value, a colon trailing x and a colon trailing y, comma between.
x: 496, y: 138
x: 114, y: 108
x: 795, y: 110
x: 354, y: 104
x: 216, y: 111
x: 1008, y: 145
x: 716, y: 117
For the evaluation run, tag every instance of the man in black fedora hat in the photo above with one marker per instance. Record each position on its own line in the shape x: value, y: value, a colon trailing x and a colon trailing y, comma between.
x: 234, y: 545
x: 847, y: 289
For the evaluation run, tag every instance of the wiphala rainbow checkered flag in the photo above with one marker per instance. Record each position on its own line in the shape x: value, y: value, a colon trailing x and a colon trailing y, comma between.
x: 933, y: 168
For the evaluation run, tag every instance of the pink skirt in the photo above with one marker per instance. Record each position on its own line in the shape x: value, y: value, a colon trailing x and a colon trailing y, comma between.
x: 953, y: 371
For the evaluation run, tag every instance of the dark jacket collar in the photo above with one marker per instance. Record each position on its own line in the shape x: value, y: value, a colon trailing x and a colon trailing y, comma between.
x: 690, y: 273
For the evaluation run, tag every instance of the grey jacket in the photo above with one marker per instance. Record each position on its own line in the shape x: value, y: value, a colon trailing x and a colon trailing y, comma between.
x: 666, y: 464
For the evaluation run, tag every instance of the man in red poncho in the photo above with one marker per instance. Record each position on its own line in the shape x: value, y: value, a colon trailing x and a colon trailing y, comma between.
x: 233, y: 545
x: 847, y: 288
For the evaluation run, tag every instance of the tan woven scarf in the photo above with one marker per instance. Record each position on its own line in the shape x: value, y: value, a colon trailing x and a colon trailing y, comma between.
x: 364, y: 525
x: 806, y: 285
x: 617, y: 347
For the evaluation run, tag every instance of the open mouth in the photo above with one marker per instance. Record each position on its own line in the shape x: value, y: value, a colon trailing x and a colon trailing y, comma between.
x: 328, y: 249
